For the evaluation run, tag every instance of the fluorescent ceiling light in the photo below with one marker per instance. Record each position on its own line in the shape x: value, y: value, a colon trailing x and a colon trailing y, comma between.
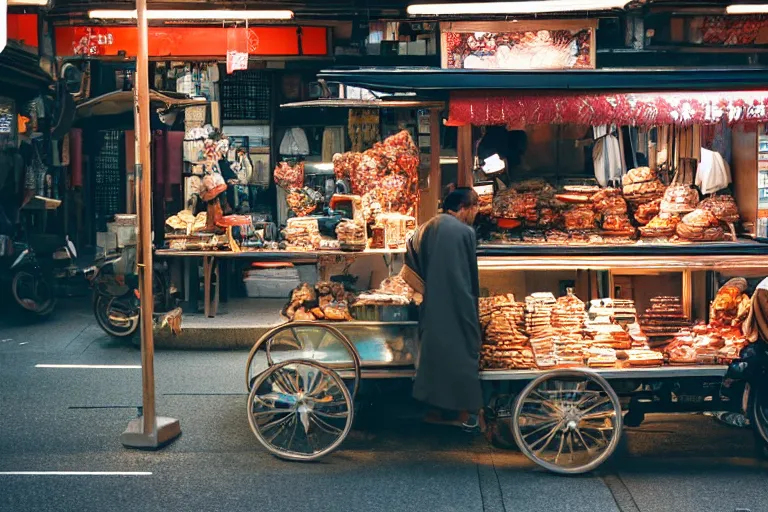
x: 747, y: 9
x: 531, y: 7
x: 186, y: 15
x: 41, y: 3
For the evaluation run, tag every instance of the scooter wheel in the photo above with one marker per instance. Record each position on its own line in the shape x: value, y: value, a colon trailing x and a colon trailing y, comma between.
x: 32, y: 294
x: 106, y: 308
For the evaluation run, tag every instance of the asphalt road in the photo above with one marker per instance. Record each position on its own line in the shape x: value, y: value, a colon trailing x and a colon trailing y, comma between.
x: 69, y: 420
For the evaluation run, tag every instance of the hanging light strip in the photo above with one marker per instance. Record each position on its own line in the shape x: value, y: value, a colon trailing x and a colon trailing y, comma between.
x: 187, y: 15
x: 747, y: 9
x: 501, y: 8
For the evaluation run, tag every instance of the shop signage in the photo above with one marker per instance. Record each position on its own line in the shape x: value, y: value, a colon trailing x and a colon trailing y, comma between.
x: 644, y: 109
x: 519, y: 46
x: 106, y: 41
x: 23, y: 28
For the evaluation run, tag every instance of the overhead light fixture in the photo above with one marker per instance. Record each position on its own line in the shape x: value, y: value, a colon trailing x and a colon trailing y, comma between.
x: 747, y: 9
x: 532, y: 7
x: 186, y: 15
x: 39, y: 3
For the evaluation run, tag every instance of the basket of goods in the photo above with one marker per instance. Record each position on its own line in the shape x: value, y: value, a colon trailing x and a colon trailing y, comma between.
x: 289, y: 176
x: 700, y: 226
x: 351, y: 235
x: 663, y: 225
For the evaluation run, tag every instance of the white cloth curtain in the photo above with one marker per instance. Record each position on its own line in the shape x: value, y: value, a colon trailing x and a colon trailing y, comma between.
x: 606, y: 154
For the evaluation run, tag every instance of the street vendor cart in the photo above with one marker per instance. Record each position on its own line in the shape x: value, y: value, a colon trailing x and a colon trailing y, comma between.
x: 303, y: 378
x: 565, y: 409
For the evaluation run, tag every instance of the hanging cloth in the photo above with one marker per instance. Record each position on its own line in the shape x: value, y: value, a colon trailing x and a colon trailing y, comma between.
x: 713, y: 172
x: 606, y: 155
x: 294, y: 143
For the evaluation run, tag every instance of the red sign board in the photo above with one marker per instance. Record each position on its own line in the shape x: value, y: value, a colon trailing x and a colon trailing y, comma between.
x: 23, y: 28
x: 190, y: 41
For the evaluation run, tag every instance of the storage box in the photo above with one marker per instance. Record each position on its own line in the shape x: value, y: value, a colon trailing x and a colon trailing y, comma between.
x: 269, y: 287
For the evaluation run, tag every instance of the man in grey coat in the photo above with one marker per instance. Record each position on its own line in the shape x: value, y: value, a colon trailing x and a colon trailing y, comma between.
x: 441, y: 263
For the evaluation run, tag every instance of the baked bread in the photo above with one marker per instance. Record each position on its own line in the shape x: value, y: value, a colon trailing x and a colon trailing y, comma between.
x: 680, y: 199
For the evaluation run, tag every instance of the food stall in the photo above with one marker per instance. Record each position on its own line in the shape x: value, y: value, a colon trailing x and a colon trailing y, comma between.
x: 615, y: 283
x: 360, y: 203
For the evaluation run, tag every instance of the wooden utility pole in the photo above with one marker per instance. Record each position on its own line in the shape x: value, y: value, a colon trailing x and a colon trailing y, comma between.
x: 147, y: 431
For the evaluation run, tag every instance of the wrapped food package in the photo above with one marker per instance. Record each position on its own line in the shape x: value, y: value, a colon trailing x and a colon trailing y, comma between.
x: 397, y: 229
x: 723, y: 207
x: 289, y: 176
x: 680, y: 199
x: 351, y: 235
x: 302, y: 233
x: 701, y: 226
x: 385, y: 176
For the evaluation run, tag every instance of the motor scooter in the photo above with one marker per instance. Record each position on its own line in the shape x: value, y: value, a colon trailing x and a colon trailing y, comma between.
x: 117, y: 299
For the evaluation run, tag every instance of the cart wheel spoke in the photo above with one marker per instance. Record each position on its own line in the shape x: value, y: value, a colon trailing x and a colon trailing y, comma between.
x: 578, y: 406
x: 323, y: 425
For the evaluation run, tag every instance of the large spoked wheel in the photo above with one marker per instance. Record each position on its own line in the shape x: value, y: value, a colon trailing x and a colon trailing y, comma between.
x: 300, y: 410
x: 305, y: 340
x: 759, y: 416
x: 567, y: 421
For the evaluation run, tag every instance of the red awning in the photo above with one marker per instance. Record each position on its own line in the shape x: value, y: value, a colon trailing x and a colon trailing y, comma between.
x: 513, y: 109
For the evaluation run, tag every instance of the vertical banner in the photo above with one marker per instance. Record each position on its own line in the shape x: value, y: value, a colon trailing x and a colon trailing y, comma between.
x: 237, y: 49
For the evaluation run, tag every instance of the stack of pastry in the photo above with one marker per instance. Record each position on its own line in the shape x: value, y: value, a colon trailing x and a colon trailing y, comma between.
x: 723, y: 207
x: 662, y: 225
x: 706, y: 344
x: 663, y: 320
x: 639, y: 358
x: 609, y: 336
x: 538, y: 325
x: 505, y: 343
x: 568, y: 318
x: 642, y: 186
x: 644, y: 213
x: 580, y: 218
x: 612, y: 208
x: 731, y: 305
x: 700, y: 226
x: 621, y: 311
x: 680, y: 199
x: 601, y: 357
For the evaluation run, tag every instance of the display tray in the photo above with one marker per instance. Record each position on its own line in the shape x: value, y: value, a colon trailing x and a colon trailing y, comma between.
x: 272, y: 255
x: 742, y: 247
x: 655, y: 372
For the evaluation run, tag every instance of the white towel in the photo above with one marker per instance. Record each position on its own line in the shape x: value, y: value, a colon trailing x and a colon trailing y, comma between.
x: 713, y: 173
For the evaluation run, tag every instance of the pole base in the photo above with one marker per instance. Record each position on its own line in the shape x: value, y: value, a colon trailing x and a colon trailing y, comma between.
x: 167, y: 430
